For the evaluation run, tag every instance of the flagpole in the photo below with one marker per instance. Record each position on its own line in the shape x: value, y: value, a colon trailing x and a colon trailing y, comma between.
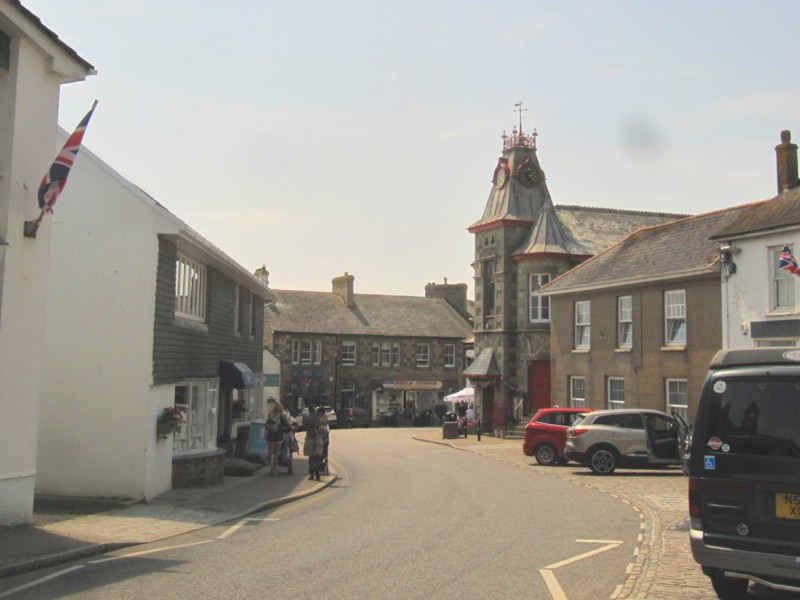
x: 31, y: 227
x: 54, y: 188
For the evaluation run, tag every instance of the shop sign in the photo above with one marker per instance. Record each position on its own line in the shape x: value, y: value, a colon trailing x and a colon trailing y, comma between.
x: 306, y: 373
x: 412, y: 384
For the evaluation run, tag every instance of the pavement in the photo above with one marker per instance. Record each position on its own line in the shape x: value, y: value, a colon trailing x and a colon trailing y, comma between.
x: 660, y: 565
x: 65, y: 529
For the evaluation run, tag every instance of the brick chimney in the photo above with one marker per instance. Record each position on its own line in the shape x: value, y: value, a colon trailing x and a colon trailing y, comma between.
x: 454, y: 293
x: 343, y: 285
x: 262, y: 274
x: 786, y: 154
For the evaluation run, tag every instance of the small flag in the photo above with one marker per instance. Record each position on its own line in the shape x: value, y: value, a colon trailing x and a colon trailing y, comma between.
x: 787, y: 261
x: 56, y: 177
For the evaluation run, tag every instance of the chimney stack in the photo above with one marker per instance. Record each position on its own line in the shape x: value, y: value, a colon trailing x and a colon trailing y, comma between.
x: 454, y: 293
x: 343, y: 285
x: 786, y: 154
x: 262, y: 274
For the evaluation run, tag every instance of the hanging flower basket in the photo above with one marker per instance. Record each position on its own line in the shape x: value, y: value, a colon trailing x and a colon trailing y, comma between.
x: 169, y: 422
x: 239, y: 409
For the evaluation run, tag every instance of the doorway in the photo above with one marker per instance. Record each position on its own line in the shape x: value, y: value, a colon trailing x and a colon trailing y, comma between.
x: 538, y: 385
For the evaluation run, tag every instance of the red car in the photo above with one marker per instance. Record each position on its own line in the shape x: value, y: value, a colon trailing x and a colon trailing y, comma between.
x: 546, y: 434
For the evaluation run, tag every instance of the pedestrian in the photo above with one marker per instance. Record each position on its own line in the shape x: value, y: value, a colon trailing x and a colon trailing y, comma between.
x: 315, y: 424
x: 461, y: 412
x: 274, y: 427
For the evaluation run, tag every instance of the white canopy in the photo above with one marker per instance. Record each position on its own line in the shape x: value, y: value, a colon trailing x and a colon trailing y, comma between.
x: 465, y: 395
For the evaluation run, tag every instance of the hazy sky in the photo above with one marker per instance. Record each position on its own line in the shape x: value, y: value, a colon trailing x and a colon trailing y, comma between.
x: 321, y: 137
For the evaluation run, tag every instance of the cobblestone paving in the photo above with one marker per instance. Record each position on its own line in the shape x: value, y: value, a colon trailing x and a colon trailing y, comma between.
x: 662, y: 567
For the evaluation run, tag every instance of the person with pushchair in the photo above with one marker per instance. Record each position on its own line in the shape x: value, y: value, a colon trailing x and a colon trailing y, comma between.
x: 316, y: 426
x: 461, y: 413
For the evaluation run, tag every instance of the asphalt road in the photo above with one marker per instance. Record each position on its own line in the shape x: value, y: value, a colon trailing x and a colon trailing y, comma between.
x: 406, y: 519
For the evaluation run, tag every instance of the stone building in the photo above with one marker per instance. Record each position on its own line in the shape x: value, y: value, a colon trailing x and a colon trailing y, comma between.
x: 398, y: 354
x: 638, y: 324
x: 522, y: 242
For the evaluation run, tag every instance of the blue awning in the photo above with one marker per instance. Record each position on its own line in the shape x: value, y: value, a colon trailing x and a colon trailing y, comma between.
x: 236, y: 375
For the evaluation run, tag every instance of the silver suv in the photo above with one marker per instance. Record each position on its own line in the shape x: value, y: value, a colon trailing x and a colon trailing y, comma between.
x: 606, y: 439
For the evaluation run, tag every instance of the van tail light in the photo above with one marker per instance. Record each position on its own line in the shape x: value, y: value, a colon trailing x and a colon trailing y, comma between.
x: 576, y: 432
x: 694, y: 497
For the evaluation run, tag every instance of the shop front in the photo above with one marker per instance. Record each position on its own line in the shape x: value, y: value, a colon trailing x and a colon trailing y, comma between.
x: 398, y: 401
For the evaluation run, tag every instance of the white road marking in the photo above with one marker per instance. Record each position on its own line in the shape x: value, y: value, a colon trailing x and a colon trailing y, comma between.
x: 549, y: 577
x: 238, y: 526
x: 31, y: 584
x: 552, y: 584
x: 143, y: 552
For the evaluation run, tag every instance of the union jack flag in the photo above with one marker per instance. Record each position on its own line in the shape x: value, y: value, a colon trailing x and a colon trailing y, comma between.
x: 55, y: 179
x: 787, y: 261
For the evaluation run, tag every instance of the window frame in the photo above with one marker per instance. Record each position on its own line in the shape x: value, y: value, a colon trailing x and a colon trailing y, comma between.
x: 348, y: 353
x: 681, y: 408
x: 449, y: 359
x: 671, y: 321
x: 583, y: 324
x: 198, y: 431
x: 576, y: 401
x: 191, y: 288
x: 538, y: 304
x: 781, y: 280
x: 613, y: 395
x: 625, y: 322
x: 423, y: 355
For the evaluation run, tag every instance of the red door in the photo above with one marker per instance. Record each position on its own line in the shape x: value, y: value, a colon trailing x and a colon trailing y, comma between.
x: 538, y: 385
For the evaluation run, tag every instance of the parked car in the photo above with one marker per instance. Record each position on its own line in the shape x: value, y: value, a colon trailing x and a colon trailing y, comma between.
x: 546, y: 433
x: 329, y: 412
x: 744, y: 472
x: 353, y: 417
x: 606, y: 439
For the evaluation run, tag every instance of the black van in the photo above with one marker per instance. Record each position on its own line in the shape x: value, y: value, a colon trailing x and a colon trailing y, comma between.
x: 744, y: 471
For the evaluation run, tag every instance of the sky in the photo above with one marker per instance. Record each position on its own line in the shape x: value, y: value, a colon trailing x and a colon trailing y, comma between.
x: 318, y: 138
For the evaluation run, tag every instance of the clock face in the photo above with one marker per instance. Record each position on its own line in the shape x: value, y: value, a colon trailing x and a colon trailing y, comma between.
x: 528, y: 175
x: 500, y: 177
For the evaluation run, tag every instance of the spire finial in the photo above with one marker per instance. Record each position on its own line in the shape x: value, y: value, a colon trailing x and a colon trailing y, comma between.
x: 518, y: 108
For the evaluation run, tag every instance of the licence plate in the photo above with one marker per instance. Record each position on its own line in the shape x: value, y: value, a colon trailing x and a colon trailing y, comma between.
x: 787, y: 506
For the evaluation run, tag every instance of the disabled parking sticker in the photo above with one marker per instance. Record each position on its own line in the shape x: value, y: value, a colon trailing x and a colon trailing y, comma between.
x: 710, y: 463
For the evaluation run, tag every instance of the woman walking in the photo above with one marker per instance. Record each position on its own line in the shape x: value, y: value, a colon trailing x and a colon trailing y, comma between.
x: 274, y: 427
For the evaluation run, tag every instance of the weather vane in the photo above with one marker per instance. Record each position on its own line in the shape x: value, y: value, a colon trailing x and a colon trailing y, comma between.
x: 518, y: 108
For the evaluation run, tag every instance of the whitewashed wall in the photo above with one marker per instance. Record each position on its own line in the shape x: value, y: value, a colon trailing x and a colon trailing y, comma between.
x: 98, y: 414
x: 29, y: 93
x: 746, y: 293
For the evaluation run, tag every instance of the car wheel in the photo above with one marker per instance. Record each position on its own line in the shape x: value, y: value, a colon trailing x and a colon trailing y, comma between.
x: 603, y: 461
x: 729, y: 587
x: 545, y: 454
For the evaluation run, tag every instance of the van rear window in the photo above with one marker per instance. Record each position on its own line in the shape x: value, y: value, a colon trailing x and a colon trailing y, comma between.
x: 755, y: 416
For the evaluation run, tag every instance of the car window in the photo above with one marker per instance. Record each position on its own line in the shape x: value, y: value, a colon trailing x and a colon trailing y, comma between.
x: 549, y: 418
x: 574, y: 418
x: 625, y: 421
x: 755, y: 416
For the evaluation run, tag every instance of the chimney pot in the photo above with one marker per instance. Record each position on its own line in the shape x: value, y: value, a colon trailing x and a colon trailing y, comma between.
x: 786, y: 158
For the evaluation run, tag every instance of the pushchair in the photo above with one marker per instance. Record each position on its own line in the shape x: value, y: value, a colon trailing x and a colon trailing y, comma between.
x: 324, y: 459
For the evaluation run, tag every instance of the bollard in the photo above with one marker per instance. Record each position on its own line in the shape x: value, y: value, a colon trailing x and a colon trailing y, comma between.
x: 478, y: 430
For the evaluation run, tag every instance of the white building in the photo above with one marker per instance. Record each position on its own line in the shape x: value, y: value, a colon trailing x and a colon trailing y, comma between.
x: 34, y: 64
x: 760, y: 302
x: 123, y: 343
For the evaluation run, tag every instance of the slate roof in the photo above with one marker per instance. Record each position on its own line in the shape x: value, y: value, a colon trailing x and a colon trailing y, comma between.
x: 677, y: 249
x: 484, y: 366
x: 594, y: 229
x: 782, y: 211
x: 375, y: 315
